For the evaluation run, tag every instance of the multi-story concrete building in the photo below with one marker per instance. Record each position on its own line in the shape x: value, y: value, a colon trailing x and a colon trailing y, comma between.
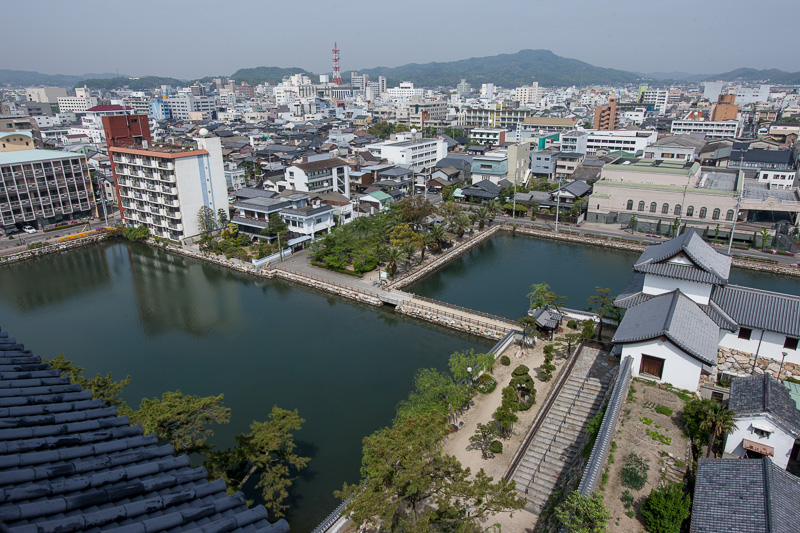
x: 163, y: 186
x: 13, y: 141
x: 404, y: 91
x: 320, y: 176
x: 26, y: 124
x: 658, y: 98
x: 575, y: 142
x: 234, y: 176
x: 724, y: 129
x: 543, y: 162
x: 511, y: 163
x: 498, y: 116
x: 566, y: 163
x: 527, y: 95
x: 676, y: 147
x: 654, y: 191
x: 463, y: 87
x: 49, y: 95
x: 409, y: 151
x: 631, y: 141
x: 488, y: 136
x: 752, y: 95
x: 725, y: 108
x: 419, y: 112
x: 359, y: 81
x: 43, y: 187
x: 606, y: 117
x: 180, y: 107
x: 76, y: 104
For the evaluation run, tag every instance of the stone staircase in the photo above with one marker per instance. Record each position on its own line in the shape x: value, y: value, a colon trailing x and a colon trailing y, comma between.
x: 556, y: 444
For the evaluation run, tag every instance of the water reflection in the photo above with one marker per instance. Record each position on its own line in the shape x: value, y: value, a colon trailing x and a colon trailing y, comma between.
x: 175, y: 294
x: 53, y: 279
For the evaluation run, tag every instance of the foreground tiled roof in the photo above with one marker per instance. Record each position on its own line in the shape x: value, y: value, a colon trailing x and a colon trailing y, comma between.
x: 762, y: 394
x: 744, y: 496
x: 69, y: 463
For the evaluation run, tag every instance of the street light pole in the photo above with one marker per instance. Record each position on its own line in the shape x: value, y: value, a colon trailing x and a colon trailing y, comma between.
x: 469, y: 371
x: 558, y: 202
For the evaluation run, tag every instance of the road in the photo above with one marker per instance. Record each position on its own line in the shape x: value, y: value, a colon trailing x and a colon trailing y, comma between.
x: 21, y: 240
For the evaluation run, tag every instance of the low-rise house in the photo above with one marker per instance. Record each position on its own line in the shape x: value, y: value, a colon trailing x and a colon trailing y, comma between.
x: 767, y: 420
x: 303, y: 217
x: 480, y: 192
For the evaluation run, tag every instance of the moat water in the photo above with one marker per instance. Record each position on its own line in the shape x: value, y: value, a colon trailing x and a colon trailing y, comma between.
x: 176, y: 323
x: 496, y: 275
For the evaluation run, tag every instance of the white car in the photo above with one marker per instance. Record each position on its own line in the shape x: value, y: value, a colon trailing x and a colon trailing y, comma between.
x: 28, y: 229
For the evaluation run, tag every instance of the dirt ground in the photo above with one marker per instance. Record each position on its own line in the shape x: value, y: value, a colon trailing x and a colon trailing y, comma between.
x: 667, y: 461
x: 458, y: 444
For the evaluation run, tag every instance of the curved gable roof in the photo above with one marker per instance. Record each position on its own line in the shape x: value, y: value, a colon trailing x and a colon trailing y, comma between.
x: 708, y: 265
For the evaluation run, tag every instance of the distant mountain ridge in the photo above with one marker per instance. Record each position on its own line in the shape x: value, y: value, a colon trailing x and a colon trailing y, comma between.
x: 507, y: 70
x: 31, y: 78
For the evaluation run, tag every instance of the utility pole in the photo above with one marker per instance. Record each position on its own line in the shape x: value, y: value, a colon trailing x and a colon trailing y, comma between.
x: 558, y: 201
x: 738, y: 203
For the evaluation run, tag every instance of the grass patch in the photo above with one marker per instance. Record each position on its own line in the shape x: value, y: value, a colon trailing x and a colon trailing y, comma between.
x: 634, y: 472
x: 664, y: 410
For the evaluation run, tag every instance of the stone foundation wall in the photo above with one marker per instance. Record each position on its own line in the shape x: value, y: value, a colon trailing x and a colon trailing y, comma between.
x: 51, y: 249
x: 736, y: 362
x: 443, y: 318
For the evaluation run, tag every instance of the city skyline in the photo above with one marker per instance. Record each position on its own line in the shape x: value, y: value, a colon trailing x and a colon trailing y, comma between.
x: 185, y: 42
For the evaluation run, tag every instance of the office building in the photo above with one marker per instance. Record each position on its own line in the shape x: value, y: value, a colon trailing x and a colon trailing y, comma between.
x: 606, y: 117
x: 40, y: 187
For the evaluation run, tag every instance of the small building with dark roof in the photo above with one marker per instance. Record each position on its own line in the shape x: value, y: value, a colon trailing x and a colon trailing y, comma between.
x: 744, y: 496
x: 767, y: 420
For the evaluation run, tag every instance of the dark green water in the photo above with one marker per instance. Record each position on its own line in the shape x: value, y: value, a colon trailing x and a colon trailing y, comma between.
x: 175, y: 323
x: 496, y: 276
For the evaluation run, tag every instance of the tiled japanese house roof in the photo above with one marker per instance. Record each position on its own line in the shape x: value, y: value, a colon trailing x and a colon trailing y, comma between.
x: 69, y: 463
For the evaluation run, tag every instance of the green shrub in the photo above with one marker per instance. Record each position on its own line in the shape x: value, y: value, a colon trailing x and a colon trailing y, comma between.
x: 627, y: 499
x: 646, y: 421
x: 664, y: 410
x: 588, y: 329
x: 665, y: 509
x: 572, y: 324
x: 592, y: 430
x: 521, y: 370
x: 496, y: 446
x: 505, y: 361
x: 485, y: 384
x: 634, y: 472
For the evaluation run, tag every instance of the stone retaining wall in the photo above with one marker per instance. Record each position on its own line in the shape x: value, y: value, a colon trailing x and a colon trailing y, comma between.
x: 444, y: 258
x: 483, y: 330
x: 52, y: 249
x: 736, y: 362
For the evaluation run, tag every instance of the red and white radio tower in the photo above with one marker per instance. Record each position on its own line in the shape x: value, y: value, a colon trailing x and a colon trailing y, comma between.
x: 337, y: 75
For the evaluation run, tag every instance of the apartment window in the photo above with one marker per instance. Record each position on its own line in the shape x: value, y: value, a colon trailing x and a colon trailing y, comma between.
x: 790, y: 343
x: 677, y: 210
x: 653, y: 207
x: 745, y: 333
x: 703, y: 212
x: 715, y: 214
x: 690, y: 211
x: 629, y: 206
x: 729, y: 215
x: 665, y: 209
x: 641, y: 205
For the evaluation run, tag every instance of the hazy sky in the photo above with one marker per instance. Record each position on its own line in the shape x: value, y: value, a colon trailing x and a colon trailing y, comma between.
x: 189, y: 39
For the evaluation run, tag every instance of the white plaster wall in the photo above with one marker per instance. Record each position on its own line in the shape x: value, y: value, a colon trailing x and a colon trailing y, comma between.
x: 679, y: 369
x: 190, y: 193
x: 771, y: 345
x: 699, y: 292
x: 780, y: 439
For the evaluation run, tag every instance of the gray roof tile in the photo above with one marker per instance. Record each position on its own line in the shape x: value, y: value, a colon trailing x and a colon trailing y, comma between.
x: 68, y: 463
x: 744, y: 496
x: 755, y: 308
x: 764, y: 394
x: 708, y: 265
x: 676, y: 317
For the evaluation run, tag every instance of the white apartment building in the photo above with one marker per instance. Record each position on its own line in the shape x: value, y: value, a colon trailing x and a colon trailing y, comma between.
x: 76, y: 104
x: 527, y: 95
x: 626, y: 140
x: 487, y: 90
x: 752, y: 95
x: 320, y: 176
x: 234, y: 176
x: 415, y: 154
x: 778, y: 179
x: 658, y: 98
x: 490, y: 136
x: 405, y: 91
x: 721, y: 129
x: 48, y: 95
x: 574, y: 142
x: 181, y: 106
x: 164, y: 186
